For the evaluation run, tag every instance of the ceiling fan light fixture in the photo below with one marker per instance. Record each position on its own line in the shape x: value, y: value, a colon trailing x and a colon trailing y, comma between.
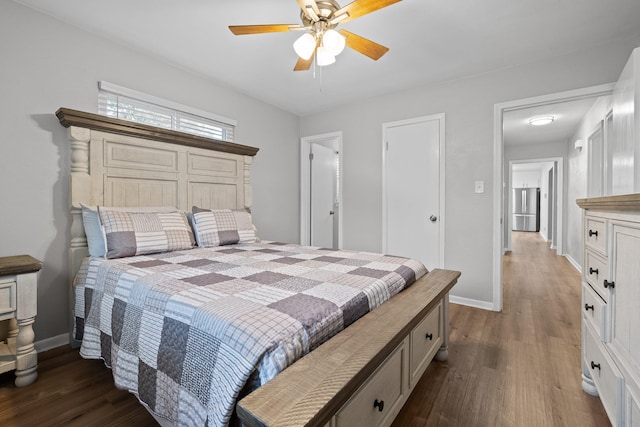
x: 541, y: 121
x: 305, y: 45
x: 334, y: 42
x: 324, y: 57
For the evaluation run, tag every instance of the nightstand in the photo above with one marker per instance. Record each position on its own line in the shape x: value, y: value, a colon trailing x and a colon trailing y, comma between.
x: 18, y: 304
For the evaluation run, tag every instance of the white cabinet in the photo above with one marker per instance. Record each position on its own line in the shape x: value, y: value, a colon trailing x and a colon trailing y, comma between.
x: 610, y: 305
x: 525, y: 179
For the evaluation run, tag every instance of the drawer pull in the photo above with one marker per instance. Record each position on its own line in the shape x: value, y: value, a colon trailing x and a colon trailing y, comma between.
x: 588, y: 307
x: 380, y: 404
x: 593, y: 270
x: 595, y: 365
x: 593, y: 233
x: 608, y: 284
x: 429, y: 337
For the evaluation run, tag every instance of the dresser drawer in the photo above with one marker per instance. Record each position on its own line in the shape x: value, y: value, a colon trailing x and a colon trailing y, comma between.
x: 380, y: 398
x: 596, y: 270
x: 594, y: 310
x: 596, y: 234
x: 7, y: 298
x: 426, y: 339
x: 606, y: 376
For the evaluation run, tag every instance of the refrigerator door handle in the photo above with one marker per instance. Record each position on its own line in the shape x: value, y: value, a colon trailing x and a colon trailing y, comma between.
x: 523, y: 208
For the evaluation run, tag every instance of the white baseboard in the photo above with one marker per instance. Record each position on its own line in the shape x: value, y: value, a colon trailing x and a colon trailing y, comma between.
x: 485, y: 305
x: 51, y: 343
x: 574, y: 263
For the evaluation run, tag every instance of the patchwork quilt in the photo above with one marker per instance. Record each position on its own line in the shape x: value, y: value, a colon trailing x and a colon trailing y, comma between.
x: 186, y: 331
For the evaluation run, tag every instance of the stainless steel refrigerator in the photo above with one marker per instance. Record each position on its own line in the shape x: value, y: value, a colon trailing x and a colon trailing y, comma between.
x: 526, y: 209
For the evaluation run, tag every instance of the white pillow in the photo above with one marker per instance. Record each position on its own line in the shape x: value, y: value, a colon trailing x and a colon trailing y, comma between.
x: 96, y: 239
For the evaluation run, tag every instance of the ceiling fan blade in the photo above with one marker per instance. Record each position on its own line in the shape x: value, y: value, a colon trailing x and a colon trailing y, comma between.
x: 359, y: 8
x: 304, y: 64
x: 260, y: 29
x: 364, y: 46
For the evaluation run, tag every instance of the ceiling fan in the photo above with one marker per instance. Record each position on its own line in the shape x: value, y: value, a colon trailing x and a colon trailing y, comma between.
x: 320, y: 40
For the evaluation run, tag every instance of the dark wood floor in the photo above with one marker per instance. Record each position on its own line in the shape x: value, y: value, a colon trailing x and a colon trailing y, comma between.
x: 520, y: 367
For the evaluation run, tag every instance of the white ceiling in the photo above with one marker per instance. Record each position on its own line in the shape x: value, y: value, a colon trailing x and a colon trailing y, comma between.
x: 568, y: 115
x: 429, y: 40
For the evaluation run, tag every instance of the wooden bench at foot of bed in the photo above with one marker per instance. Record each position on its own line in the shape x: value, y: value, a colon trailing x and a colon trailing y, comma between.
x: 363, y: 375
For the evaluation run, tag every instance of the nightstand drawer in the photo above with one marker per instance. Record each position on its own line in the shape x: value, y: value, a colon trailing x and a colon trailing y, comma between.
x: 7, y: 298
x: 596, y: 234
x: 594, y: 310
x: 596, y: 271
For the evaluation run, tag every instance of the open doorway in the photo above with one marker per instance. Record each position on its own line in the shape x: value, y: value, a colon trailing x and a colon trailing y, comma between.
x: 545, y: 175
x: 321, y: 190
x: 501, y: 184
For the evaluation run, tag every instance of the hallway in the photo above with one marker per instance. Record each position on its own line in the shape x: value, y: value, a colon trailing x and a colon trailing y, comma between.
x: 520, y: 367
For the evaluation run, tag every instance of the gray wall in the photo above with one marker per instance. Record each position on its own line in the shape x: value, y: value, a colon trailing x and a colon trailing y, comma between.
x: 44, y: 65
x: 468, y: 105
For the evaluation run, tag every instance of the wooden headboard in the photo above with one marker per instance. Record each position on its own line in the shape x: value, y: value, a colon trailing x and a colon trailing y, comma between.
x: 121, y: 163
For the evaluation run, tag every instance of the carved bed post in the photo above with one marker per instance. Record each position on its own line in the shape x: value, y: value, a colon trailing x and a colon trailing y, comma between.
x: 79, y: 192
x: 248, y: 193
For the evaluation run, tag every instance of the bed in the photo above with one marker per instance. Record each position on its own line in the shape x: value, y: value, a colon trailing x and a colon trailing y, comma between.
x: 165, y: 316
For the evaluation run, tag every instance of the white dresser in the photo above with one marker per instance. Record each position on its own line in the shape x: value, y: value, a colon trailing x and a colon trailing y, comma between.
x: 611, y: 305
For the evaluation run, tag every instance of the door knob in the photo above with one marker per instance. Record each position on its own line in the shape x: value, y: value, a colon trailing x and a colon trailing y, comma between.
x: 433, y: 218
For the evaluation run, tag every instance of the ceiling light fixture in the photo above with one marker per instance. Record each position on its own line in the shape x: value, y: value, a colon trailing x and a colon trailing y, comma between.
x: 325, y: 43
x: 305, y: 45
x: 334, y: 42
x: 541, y: 121
x: 324, y: 56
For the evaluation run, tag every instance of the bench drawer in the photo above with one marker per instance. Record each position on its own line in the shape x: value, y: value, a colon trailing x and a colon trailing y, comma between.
x: 380, y: 398
x: 426, y: 339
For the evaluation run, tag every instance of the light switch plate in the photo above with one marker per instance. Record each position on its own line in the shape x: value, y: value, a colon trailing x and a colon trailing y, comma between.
x: 479, y: 187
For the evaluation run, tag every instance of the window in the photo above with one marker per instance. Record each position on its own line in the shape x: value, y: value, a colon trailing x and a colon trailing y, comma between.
x: 126, y: 104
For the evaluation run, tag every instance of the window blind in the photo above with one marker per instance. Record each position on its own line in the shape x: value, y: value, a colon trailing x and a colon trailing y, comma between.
x: 126, y: 104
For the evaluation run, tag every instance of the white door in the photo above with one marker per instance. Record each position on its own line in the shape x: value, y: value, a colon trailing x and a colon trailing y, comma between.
x: 323, y: 194
x: 413, y: 189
